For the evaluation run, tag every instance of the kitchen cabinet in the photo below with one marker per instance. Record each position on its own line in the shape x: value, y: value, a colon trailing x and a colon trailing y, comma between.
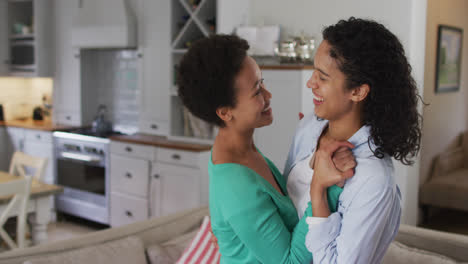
x: 154, y: 79
x: 189, y: 23
x: 290, y: 96
x: 129, y: 181
x: 39, y: 144
x: 4, y: 161
x: 176, y: 189
x: 67, y: 81
x: 148, y: 181
x: 35, y: 143
x: 29, y: 39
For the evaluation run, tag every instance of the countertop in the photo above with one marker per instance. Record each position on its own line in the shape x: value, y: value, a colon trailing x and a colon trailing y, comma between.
x: 160, y: 141
x: 45, y: 125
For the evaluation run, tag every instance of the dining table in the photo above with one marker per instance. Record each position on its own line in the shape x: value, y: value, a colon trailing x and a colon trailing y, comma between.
x: 40, y: 205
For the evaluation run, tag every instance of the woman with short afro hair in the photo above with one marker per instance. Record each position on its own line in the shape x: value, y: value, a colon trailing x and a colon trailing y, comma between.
x: 252, y: 215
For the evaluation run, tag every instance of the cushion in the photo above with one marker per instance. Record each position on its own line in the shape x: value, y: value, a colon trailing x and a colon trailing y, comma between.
x: 127, y: 250
x: 399, y: 253
x: 200, y: 249
x: 169, y: 251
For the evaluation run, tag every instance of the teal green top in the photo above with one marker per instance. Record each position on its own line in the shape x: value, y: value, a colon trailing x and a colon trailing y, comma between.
x: 252, y: 221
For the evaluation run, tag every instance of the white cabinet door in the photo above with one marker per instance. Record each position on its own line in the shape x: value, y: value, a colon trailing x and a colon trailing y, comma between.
x: 67, y: 86
x: 179, y: 188
x: 155, y: 191
x: 4, y: 162
x: 43, y: 150
x: 15, y: 140
x: 4, y: 46
x: 155, y: 79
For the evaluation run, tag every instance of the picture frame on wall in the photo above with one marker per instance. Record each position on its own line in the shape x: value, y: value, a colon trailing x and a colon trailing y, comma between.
x: 449, y: 56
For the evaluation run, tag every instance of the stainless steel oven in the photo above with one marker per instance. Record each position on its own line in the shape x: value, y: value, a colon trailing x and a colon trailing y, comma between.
x: 82, y: 164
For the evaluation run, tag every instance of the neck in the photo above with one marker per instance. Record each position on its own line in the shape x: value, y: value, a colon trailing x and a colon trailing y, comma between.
x: 345, y: 127
x: 237, y: 142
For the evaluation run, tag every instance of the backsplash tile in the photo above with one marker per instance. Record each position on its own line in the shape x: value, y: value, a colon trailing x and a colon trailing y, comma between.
x: 112, y: 76
x: 19, y: 95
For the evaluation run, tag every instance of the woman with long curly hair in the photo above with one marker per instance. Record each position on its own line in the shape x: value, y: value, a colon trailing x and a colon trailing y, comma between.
x: 251, y: 212
x: 363, y: 93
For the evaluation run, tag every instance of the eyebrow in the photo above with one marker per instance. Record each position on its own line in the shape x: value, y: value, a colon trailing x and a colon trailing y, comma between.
x: 324, y: 73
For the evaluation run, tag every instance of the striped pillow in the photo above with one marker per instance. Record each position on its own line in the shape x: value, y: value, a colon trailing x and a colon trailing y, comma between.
x: 201, y: 250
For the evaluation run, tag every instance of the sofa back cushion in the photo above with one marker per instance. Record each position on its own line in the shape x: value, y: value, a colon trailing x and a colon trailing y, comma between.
x: 122, y: 251
x: 399, y: 253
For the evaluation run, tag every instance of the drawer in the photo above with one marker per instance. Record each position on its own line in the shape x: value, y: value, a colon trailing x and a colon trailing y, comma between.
x: 73, y: 119
x: 178, y: 157
x: 129, y: 175
x: 132, y: 150
x: 154, y: 127
x: 125, y: 209
x: 38, y: 136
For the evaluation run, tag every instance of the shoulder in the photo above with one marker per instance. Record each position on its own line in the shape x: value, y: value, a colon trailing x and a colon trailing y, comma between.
x: 373, y: 177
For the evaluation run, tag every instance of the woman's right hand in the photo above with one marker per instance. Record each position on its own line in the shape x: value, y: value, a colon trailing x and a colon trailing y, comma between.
x: 333, y: 164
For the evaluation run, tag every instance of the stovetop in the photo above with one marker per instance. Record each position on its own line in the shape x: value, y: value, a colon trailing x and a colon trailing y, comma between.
x: 88, y: 131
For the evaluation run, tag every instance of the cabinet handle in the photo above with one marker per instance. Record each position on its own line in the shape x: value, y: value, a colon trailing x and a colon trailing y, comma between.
x: 128, y: 149
x: 156, y: 176
x: 128, y: 175
x: 129, y: 214
x: 140, y: 55
x: 38, y: 136
x: 176, y: 156
x: 154, y: 126
x: 68, y: 117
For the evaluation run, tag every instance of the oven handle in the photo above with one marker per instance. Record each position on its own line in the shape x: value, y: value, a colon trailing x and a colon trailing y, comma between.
x: 80, y: 157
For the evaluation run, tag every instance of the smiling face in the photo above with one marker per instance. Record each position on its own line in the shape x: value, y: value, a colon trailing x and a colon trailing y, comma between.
x: 252, y: 109
x: 332, y: 100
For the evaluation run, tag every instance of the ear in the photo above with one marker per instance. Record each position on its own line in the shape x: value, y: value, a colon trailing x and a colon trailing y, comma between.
x: 360, y: 93
x: 224, y: 113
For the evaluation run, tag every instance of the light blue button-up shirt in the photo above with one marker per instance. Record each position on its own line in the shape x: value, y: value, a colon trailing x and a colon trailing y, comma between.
x: 369, y: 208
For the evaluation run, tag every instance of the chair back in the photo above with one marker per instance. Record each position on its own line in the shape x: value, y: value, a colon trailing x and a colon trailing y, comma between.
x: 21, y: 162
x: 18, y: 206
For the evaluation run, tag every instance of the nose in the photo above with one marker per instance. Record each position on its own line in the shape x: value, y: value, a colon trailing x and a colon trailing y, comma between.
x: 266, y: 94
x: 312, y: 83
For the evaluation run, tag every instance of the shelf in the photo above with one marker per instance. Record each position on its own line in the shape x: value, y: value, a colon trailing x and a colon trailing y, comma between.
x: 188, y: 127
x: 180, y: 18
x: 188, y: 35
x: 21, y: 36
x: 204, y: 14
x: 179, y: 51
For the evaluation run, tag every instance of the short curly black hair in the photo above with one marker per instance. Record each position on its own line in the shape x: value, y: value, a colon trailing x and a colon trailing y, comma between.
x: 207, y: 75
x: 368, y: 53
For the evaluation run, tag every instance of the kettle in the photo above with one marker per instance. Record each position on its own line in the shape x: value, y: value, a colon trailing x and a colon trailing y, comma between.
x: 100, y: 125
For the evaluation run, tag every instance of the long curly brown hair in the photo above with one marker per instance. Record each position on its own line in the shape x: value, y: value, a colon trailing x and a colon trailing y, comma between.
x: 368, y: 53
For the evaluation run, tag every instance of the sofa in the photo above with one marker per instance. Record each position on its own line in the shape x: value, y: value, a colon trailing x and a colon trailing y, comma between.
x: 162, y: 240
x: 447, y: 186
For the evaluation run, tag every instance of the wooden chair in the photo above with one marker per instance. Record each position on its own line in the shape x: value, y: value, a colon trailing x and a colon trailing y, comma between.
x: 21, y: 162
x: 18, y: 205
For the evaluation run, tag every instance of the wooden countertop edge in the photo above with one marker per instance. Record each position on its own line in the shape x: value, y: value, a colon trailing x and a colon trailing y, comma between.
x: 160, y: 141
x: 286, y: 67
x: 36, y: 125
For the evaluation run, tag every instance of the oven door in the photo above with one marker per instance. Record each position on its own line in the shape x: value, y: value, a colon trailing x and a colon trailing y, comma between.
x: 84, y: 180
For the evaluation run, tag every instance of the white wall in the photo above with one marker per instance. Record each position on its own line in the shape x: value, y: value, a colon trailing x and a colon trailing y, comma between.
x: 405, y: 18
x: 447, y: 115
